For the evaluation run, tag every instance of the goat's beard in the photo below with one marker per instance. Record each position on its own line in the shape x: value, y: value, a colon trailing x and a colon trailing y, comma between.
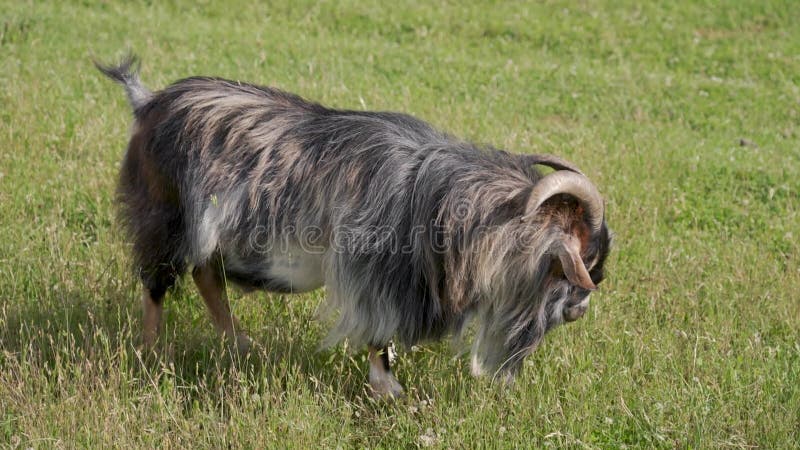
x: 511, y: 330
x: 520, y: 301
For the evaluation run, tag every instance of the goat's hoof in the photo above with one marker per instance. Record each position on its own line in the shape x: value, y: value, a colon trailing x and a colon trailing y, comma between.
x: 386, y: 387
x: 242, y: 345
x: 148, y: 344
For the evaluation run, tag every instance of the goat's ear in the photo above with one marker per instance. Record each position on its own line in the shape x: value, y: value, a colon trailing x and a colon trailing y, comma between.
x: 569, y: 253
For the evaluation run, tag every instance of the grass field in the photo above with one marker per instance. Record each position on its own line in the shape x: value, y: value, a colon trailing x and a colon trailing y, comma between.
x: 685, y: 114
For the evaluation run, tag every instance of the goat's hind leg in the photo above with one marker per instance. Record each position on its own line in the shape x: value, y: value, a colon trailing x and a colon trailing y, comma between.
x: 211, y: 284
x: 152, y: 308
x: 156, y: 282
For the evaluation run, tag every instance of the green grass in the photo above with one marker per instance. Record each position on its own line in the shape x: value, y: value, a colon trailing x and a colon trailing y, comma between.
x: 686, y: 115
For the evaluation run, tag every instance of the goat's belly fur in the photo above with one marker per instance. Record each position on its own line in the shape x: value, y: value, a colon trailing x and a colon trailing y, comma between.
x: 285, y: 268
x: 278, y: 265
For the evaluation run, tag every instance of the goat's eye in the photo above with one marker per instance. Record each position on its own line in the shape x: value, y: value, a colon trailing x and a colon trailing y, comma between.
x: 579, y: 292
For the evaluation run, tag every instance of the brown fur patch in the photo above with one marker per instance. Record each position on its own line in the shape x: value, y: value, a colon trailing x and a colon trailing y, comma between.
x: 140, y: 168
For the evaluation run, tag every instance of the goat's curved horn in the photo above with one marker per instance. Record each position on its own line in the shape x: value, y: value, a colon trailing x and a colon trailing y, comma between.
x: 552, y: 161
x: 571, y: 183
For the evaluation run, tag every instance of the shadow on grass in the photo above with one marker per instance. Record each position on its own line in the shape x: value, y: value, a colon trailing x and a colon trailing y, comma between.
x: 75, y: 334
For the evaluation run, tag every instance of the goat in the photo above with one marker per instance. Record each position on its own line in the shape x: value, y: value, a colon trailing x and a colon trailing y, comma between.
x: 413, y: 232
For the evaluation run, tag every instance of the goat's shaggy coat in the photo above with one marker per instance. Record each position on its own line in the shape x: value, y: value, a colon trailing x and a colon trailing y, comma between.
x: 411, y: 230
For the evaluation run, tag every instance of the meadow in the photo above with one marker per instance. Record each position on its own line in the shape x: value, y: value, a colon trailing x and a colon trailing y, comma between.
x: 686, y: 114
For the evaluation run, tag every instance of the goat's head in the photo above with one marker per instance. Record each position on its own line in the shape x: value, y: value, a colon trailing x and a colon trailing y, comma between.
x: 537, y: 270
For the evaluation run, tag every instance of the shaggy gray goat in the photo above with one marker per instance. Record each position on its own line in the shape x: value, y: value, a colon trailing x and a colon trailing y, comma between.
x: 412, y: 231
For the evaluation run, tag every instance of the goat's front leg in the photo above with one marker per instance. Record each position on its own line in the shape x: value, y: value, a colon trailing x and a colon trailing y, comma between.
x: 381, y: 380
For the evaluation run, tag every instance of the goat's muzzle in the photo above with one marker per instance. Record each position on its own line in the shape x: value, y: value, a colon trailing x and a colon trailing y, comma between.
x: 573, y: 313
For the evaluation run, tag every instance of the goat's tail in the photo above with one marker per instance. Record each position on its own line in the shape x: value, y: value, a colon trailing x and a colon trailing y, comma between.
x: 126, y: 73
